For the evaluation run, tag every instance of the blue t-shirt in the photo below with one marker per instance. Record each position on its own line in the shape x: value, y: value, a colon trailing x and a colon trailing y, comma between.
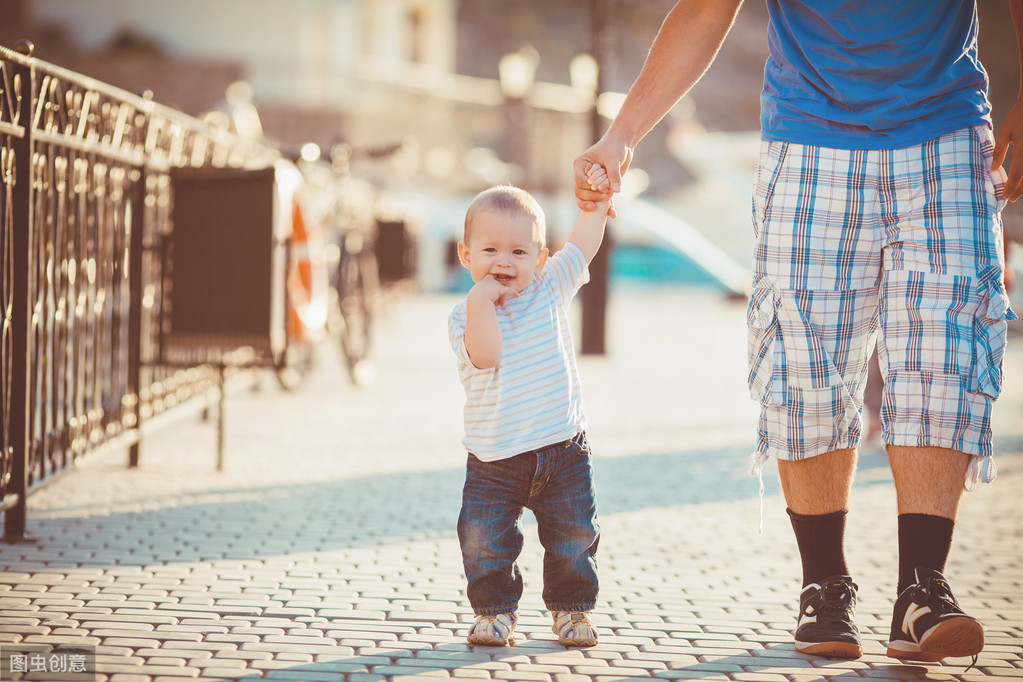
x: 871, y: 74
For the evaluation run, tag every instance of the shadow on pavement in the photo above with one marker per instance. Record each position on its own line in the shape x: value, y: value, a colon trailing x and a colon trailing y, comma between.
x: 777, y: 661
x: 364, y: 512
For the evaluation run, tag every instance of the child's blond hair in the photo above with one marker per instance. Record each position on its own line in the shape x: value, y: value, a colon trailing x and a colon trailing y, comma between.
x: 509, y: 200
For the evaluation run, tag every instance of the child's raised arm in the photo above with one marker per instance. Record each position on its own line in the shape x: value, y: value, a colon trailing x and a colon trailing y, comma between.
x: 589, y: 228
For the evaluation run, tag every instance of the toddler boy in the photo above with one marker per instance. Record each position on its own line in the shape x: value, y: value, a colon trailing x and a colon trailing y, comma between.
x: 524, y: 418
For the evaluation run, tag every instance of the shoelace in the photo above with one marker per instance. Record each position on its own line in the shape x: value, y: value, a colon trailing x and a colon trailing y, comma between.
x: 838, y: 595
x: 940, y: 591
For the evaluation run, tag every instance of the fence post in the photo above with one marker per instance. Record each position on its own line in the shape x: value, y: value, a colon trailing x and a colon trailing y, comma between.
x: 135, y: 286
x: 21, y: 239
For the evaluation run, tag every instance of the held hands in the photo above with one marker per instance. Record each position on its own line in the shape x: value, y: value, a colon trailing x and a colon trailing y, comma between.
x: 597, y: 179
x: 611, y: 155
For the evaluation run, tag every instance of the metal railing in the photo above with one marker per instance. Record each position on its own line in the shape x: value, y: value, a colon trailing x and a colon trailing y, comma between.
x: 85, y: 204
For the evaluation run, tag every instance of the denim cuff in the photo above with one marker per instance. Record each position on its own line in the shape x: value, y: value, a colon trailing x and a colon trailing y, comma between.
x: 577, y: 606
x: 495, y: 610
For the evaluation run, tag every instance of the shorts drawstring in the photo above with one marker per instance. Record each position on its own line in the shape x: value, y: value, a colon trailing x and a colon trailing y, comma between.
x: 981, y: 468
x: 756, y: 468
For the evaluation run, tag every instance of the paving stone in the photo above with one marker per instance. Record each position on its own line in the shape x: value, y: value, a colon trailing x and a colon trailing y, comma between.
x: 410, y: 673
x: 671, y: 660
x: 149, y: 671
x: 471, y: 673
x: 524, y: 675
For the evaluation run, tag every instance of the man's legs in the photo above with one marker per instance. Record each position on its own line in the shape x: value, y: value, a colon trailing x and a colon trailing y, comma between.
x: 928, y: 488
x: 928, y: 480
x: 813, y: 321
x: 942, y: 314
x: 817, y: 494
x: 927, y: 624
x: 905, y: 239
x: 818, y: 485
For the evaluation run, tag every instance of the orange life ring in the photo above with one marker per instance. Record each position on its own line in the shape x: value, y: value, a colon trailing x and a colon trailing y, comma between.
x: 307, y: 276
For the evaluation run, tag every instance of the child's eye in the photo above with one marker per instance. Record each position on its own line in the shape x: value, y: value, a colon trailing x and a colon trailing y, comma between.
x: 489, y: 249
x: 520, y: 252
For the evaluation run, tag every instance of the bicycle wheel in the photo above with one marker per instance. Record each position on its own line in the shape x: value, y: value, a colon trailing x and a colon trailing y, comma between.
x: 294, y: 364
x: 356, y: 285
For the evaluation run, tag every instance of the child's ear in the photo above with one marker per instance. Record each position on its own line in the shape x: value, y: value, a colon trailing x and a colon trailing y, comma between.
x: 541, y: 258
x: 463, y: 254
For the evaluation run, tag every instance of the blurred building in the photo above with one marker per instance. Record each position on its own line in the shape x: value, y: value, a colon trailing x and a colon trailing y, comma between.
x: 295, y: 51
x: 369, y: 72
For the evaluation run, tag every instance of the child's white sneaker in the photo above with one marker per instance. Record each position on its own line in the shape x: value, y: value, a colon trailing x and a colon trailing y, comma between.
x: 493, y: 630
x: 574, y: 628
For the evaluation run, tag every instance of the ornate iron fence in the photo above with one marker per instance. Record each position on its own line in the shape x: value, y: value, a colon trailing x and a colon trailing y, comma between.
x: 85, y: 206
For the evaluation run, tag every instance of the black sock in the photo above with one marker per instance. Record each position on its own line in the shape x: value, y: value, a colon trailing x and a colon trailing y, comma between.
x: 821, y: 541
x: 924, y: 541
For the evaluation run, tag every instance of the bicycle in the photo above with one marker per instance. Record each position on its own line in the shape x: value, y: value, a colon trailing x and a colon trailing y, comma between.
x: 355, y: 279
x: 337, y: 295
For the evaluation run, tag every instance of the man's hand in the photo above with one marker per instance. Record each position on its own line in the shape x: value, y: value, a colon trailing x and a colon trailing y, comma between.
x: 1010, y: 133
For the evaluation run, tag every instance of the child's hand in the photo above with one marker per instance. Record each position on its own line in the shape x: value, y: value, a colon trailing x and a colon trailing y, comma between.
x: 492, y: 290
x: 596, y: 176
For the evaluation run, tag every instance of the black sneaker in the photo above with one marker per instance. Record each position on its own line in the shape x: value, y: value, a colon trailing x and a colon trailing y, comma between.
x: 928, y: 624
x: 825, y: 626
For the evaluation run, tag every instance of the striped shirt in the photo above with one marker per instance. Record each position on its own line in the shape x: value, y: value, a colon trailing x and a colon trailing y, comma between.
x: 532, y: 398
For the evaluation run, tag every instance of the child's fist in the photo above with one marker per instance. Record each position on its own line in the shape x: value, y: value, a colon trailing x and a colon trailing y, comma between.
x: 596, y: 176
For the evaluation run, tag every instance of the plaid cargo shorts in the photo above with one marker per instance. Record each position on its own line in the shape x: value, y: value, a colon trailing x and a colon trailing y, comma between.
x: 902, y: 248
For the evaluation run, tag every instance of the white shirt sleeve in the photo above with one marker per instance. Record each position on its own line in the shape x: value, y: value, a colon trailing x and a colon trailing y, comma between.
x: 567, y: 271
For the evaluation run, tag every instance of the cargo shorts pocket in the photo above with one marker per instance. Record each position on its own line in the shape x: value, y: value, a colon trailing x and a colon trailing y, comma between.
x: 765, y: 350
x: 989, y: 336
x: 770, y: 161
x: 997, y: 177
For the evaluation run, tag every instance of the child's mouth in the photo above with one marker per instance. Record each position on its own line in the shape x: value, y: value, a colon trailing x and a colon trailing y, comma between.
x: 503, y: 278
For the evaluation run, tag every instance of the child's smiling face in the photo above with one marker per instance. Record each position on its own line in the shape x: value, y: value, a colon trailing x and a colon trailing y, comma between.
x: 504, y: 246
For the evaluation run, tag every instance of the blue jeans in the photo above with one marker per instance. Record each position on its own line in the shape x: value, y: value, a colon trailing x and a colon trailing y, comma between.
x: 556, y: 483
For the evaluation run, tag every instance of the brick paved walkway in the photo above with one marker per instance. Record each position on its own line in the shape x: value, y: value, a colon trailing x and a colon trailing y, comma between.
x: 326, y: 550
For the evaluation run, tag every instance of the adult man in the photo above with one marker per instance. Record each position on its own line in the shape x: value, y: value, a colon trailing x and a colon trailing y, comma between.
x: 876, y: 215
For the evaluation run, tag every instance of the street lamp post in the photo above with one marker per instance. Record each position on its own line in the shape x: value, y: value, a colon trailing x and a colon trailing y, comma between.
x: 594, y: 294
x: 517, y: 76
